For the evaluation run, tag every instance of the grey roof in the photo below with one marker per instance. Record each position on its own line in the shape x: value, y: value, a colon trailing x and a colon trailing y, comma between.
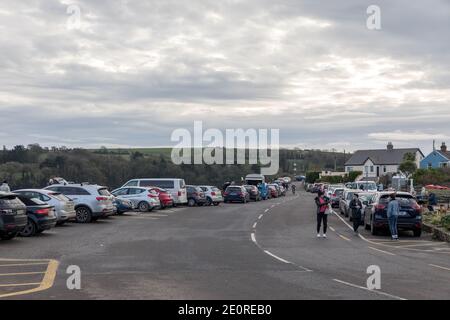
x: 380, y: 157
x: 445, y: 154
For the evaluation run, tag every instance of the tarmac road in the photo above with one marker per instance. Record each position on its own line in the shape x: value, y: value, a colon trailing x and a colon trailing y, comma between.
x: 264, y: 250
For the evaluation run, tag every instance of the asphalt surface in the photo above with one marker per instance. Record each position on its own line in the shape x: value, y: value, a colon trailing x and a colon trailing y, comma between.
x: 263, y: 250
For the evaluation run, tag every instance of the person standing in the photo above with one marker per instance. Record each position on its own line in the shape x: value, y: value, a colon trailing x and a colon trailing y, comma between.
x: 322, y: 217
x: 5, y: 187
x: 356, y: 207
x: 393, y: 212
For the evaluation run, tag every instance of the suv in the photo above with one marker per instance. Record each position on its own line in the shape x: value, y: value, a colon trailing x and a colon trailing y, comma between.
x: 195, y: 196
x: 410, y: 218
x: 236, y: 194
x: 13, y: 215
x: 91, y: 201
x: 253, y: 192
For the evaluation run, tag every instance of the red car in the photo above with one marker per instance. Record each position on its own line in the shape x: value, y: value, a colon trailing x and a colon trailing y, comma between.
x: 273, y: 192
x: 164, y: 197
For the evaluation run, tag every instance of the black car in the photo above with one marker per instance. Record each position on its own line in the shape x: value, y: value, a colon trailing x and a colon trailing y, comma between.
x: 410, y: 218
x: 254, y: 193
x: 41, y: 216
x: 236, y: 194
x: 195, y: 196
x: 13, y: 215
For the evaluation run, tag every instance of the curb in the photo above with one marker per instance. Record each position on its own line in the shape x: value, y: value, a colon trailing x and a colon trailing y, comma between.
x: 437, y: 232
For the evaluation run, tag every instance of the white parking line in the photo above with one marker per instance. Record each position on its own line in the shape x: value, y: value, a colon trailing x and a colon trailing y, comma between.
x: 276, y: 257
x: 254, y: 225
x: 260, y: 217
x: 366, y: 289
x: 389, y: 253
x: 439, y: 267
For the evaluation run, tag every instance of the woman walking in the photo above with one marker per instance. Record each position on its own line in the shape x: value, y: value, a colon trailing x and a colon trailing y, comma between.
x: 322, y: 206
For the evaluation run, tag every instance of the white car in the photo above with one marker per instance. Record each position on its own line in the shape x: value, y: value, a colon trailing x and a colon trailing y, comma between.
x: 143, y: 199
x: 176, y: 187
x: 64, y: 207
x: 213, y: 195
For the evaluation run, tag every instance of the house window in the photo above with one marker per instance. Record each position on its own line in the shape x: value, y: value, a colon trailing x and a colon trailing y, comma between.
x: 366, y: 169
x: 372, y: 169
x: 384, y: 169
x: 349, y: 169
x: 444, y: 165
x: 430, y: 165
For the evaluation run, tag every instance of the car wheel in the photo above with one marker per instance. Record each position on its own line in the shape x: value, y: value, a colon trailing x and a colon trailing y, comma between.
x: 209, y: 202
x: 83, y: 215
x: 8, y: 236
x: 29, y: 230
x: 143, y: 206
x: 417, y: 233
x: 191, y: 202
x: 216, y: 204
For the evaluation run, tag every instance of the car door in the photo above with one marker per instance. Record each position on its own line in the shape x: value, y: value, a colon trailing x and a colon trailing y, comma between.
x: 121, y: 193
x: 135, y: 195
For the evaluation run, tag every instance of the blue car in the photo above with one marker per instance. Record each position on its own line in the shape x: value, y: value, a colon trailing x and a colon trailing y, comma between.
x: 264, y: 190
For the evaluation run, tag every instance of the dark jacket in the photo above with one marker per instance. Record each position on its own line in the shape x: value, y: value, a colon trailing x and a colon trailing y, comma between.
x: 354, y: 207
x: 322, y: 206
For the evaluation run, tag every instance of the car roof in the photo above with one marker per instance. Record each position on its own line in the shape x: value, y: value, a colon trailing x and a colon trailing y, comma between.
x: 34, y: 190
x: 77, y: 185
x: 7, y: 194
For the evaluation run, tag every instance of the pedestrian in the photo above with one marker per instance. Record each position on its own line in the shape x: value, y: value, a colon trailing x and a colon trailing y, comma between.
x: 432, y: 201
x: 5, y: 187
x: 322, y: 217
x: 356, y: 207
x: 293, y: 189
x: 393, y: 212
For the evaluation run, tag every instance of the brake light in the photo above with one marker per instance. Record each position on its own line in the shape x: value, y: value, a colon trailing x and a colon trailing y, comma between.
x: 380, y: 207
x: 179, y: 193
x: 102, y: 198
x: 152, y: 195
x: 213, y: 193
x: 225, y: 193
x: 43, y: 212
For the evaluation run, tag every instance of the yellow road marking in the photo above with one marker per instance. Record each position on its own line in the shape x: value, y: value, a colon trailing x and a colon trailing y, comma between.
x: 439, y: 267
x: 19, y: 285
x: 45, y: 284
x: 345, y: 238
x: 24, y: 264
x: 19, y: 274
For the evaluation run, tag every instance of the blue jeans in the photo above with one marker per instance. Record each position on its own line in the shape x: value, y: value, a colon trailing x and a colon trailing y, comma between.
x: 393, y: 226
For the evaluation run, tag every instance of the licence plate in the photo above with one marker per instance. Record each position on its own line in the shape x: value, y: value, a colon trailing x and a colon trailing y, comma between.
x: 403, y: 214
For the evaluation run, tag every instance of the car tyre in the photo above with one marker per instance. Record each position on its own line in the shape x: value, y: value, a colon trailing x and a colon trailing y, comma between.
x: 9, y: 236
x: 373, y: 229
x: 209, y: 202
x: 191, y: 202
x: 417, y: 233
x: 216, y: 204
x: 29, y: 230
x: 143, y: 206
x: 83, y: 215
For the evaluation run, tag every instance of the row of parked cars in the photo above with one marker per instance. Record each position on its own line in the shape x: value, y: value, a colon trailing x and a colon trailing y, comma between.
x: 374, y: 202
x: 27, y: 212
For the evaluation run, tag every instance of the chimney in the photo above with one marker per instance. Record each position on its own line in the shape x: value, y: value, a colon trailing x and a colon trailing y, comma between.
x: 390, y: 146
x: 444, y: 147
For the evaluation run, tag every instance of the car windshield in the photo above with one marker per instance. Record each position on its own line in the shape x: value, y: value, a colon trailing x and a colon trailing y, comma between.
x: 234, y: 189
x: 404, y: 200
x: 350, y: 195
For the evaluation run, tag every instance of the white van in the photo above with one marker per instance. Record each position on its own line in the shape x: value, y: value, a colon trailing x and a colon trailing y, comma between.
x: 176, y: 187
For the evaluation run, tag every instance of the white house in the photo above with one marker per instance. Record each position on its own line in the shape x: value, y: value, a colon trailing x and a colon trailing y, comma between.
x: 376, y: 163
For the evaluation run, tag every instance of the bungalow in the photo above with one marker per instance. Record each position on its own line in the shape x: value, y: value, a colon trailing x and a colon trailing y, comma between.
x: 377, y: 163
x: 437, y: 158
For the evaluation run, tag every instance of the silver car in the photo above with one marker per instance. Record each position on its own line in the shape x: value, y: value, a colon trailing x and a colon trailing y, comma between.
x: 64, y: 207
x: 91, y: 201
x: 143, y: 199
x: 213, y: 195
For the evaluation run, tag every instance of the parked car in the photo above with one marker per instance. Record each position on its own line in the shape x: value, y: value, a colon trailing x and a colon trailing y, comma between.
x: 236, y: 194
x: 195, y: 196
x: 213, y: 195
x: 335, y: 196
x: 253, y: 192
x: 283, y: 190
x: 366, y: 198
x: 13, y: 215
x: 165, y: 197
x: 273, y: 191
x: 122, y: 205
x: 41, y: 216
x: 176, y: 187
x: 410, y: 213
x: 344, y: 203
x: 143, y: 199
x: 278, y: 188
x: 364, y: 186
x: 92, y: 201
x: 64, y: 207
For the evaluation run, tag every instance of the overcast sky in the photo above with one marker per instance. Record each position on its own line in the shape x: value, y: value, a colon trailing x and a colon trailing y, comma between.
x: 132, y: 71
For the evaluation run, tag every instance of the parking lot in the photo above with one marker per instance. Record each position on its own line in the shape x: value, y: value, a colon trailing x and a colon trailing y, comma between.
x: 259, y: 250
